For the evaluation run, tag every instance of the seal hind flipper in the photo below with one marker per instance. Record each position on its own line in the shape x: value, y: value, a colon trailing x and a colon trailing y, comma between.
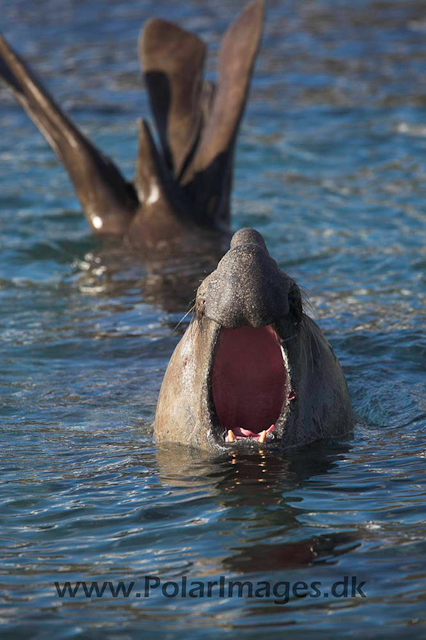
x: 188, y: 178
x: 172, y: 61
x: 208, y: 178
x: 108, y: 200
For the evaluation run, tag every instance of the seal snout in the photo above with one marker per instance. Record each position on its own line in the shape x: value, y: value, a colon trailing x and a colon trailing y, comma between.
x: 248, y: 236
x: 247, y: 287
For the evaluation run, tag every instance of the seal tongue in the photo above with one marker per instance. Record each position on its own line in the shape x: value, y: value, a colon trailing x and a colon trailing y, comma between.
x: 246, y: 433
x: 248, y: 382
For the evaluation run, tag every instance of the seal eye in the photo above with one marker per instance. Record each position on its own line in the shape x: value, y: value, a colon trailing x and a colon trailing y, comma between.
x: 295, y: 304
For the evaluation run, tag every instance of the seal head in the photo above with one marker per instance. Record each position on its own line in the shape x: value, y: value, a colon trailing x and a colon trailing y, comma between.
x: 252, y: 368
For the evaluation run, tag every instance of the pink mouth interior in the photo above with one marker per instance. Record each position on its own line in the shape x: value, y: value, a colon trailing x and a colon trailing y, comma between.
x: 249, y: 380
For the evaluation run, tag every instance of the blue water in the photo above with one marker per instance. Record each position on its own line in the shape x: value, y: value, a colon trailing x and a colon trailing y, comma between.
x: 331, y: 168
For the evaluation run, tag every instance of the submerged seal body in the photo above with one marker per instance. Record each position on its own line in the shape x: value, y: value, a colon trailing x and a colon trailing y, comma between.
x: 252, y: 368
x: 181, y: 193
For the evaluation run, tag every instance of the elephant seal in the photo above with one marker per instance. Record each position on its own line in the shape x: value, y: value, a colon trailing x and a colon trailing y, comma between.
x: 252, y: 369
x: 181, y: 193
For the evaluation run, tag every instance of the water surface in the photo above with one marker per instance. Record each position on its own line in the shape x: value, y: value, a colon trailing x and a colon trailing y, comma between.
x: 331, y: 168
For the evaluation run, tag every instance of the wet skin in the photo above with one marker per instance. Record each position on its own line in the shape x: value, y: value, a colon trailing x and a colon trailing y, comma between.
x: 179, y: 202
x: 174, y: 218
x: 252, y: 369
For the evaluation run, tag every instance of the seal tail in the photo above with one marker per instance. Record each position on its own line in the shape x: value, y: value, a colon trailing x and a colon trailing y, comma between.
x: 108, y: 200
x: 158, y: 194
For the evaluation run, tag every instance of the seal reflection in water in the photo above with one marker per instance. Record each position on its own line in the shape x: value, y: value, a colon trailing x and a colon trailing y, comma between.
x: 252, y: 369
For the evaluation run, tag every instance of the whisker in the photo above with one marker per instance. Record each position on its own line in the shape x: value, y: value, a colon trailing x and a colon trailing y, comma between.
x: 185, y: 316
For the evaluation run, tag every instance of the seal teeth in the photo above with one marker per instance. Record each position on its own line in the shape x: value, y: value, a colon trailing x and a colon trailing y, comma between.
x: 262, y: 436
x: 230, y: 436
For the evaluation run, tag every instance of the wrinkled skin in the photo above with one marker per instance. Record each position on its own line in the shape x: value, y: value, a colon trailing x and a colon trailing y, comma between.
x: 248, y: 290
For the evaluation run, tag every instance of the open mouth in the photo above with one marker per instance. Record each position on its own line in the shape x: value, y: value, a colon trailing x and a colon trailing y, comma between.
x: 250, y: 383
